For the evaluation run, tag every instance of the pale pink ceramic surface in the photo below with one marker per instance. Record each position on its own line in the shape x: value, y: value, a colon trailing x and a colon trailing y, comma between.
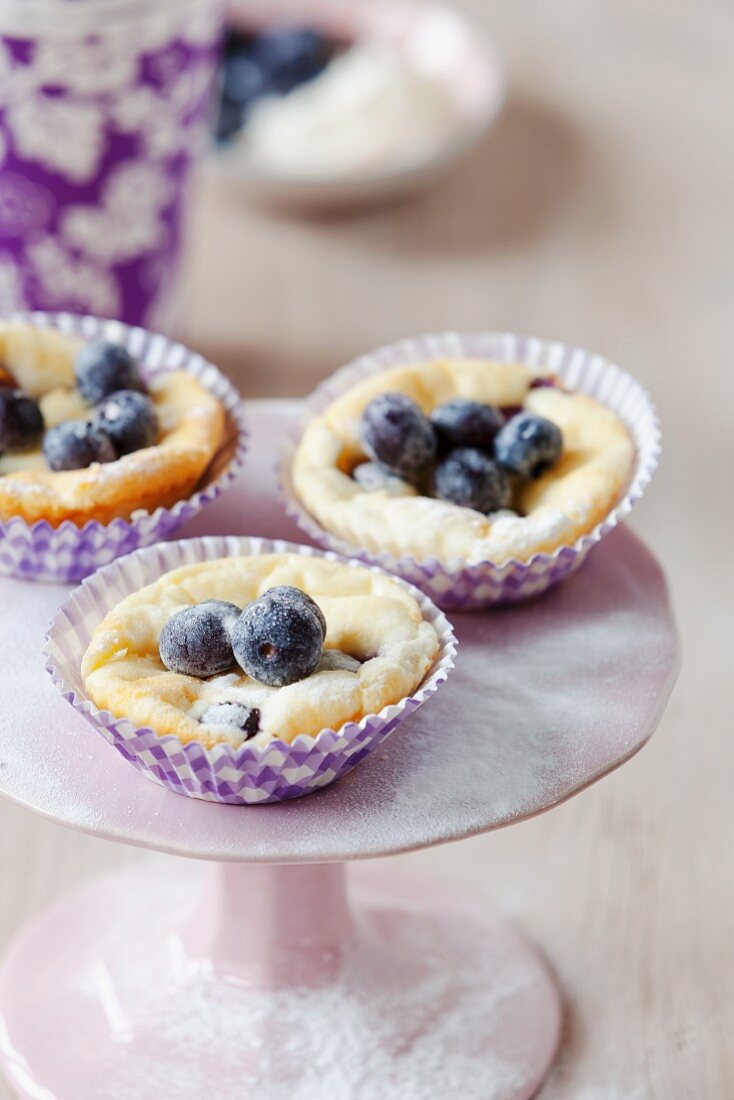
x: 545, y: 698
x: 236, y: 981
x: 172, y: 980
x: 436, y: 36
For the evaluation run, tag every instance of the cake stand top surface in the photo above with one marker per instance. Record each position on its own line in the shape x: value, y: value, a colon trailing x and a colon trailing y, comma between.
x: 545, y: 698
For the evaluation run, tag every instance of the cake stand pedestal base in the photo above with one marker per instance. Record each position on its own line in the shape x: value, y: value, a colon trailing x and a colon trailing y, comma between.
x: 185, y: 980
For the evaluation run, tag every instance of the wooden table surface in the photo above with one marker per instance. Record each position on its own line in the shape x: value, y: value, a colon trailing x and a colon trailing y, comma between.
x: 599, y: 211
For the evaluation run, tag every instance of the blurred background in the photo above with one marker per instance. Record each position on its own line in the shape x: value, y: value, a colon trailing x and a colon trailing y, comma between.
x: 596, y: 208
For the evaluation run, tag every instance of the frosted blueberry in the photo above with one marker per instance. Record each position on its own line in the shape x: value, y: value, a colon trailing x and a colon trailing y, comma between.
x: 230, y: 119
x: 288, y: 593
x: 278, y: 641
x: 335, y: 660
x: 472, y: 480
x: 397, y: 434
x: 237, y: 715
x: 103, y: 368
x: 528, y: 445
x: 76, y: 444
x: 243, y: 80
x: 196, y: 641
x: 129, y: 419
x: 21, y: 420
x: 290, y: 56
x: 371, y: 476
x: 463, y: 423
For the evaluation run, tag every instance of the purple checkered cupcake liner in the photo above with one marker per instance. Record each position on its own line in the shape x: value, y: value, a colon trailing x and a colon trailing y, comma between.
x: 249, y: 774
x: 67, y: 553
x: 456, y: 584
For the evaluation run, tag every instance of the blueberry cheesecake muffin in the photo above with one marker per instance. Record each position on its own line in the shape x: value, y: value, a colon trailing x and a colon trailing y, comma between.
x: 83, y: 437
x: 258, y: 647
x: 462, y: 460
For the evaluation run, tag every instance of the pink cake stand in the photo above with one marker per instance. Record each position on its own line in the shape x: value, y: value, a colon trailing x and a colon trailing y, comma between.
x: 258, y: 972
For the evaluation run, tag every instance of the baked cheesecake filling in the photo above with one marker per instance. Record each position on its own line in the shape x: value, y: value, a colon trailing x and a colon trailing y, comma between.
x: 257, y: 648
x: 463, y: 461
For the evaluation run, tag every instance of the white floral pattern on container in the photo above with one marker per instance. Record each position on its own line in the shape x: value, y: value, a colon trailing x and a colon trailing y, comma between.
x: 64, y: 136
x: 11, y: 285
x: 127, y: 222
x: 17, y: 82
x: 202, y: 26
x: 64, y: 278
x: 143, y: 185
x: 98, y: 64
x: 104, y: 118
x: 148, y: 114
x: 189, y: 87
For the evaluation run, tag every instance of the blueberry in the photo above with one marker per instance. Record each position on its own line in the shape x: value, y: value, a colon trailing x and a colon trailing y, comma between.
x: 288, y: 593
x: 103, y: 368
x: 196, y: 641
x: 462, y: 423
x: 21, y: 420
x: 76, y: 444
x: 243, y: 80
x: 371, y: 476
x: 237, y: 40
x: 397, y: 434
x: 335, y: 660
x: 472, y: 480
x: 230, y: 120
x: 278, y: 642
x: 292, y: 55
x: 237, y: 715
x: 528, y: 445
x: 129, y: 419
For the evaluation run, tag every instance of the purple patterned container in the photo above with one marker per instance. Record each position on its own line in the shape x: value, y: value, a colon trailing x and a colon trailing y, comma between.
x: 242, y: 776
x: 456, y: 585
x: 104, y: 105
x: 67, y: 553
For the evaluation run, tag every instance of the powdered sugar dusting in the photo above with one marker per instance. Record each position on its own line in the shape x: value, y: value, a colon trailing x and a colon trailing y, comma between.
x: 420, y: 1009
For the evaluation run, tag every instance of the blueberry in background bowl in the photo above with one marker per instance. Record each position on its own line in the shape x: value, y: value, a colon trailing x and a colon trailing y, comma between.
x: 290, y: 56
x: 270, y: 62
x: 404, y: 93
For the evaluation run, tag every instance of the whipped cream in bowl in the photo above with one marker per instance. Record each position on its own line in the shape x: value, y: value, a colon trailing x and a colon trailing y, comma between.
x: 407, y: 89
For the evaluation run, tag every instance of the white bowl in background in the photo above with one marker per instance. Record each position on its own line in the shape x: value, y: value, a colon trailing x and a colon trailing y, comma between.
x: 441, y: 38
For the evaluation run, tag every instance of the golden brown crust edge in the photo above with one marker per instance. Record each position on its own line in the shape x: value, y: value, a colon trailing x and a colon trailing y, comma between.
x: 192, y: 422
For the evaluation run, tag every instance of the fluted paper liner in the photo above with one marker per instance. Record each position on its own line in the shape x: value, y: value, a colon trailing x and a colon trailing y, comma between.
x: 68, y: 552
x: 456, y: 584
x: 249, y: 774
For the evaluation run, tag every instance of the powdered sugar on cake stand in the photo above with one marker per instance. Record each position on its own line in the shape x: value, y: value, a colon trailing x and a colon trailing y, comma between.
x: 227, y: 978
